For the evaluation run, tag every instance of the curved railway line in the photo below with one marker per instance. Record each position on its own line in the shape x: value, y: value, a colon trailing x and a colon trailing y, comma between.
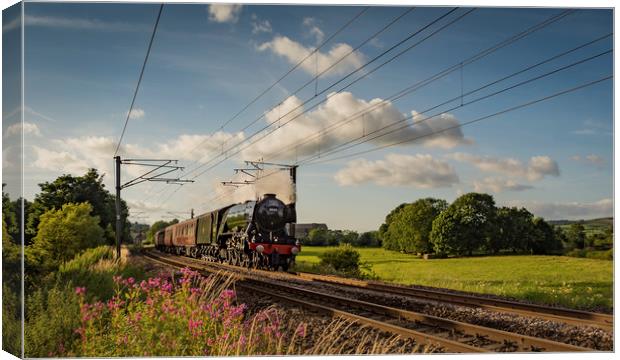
x: 440, y: 333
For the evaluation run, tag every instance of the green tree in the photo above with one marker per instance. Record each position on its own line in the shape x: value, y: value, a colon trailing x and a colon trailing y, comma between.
x: 576, y: 236
x: 77, y: 189
x: 368, y: 238
x: 316, y: 237
x: 465, y: 225
x: 411, y: 225
x: 62, y: 234
x: 386, y: 243
x: 545, y: 241
x: 514, y: 230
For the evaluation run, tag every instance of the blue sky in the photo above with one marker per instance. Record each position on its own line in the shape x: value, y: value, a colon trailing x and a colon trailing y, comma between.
x: 82, y: 62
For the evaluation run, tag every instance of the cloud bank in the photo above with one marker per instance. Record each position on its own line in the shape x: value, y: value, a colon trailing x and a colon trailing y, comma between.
x: 421, y: 171
x: 537, y: 167
x: 296, y: 140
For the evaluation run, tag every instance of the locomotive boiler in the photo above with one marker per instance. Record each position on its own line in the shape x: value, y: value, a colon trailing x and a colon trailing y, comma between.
x: 257, y: 234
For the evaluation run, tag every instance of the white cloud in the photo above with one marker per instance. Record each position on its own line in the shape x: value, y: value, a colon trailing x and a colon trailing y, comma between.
x: 591, y: 127
x: 297, y: 139
x: 29, y: 129
x: 224, y: 13
x: 313, y: 29
x: 62, y: 161
x: 294, y: 52
x: 568, y: 210
x: 260, y: 26
x: 418, y: 170
x: 136, y: 113
x: 75, y: 155
x: 589, y: 159
x: 537, y: 168
x: 497, y: 185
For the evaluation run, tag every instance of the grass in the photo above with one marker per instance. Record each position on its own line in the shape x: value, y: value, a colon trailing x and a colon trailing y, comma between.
x: 572, y: 282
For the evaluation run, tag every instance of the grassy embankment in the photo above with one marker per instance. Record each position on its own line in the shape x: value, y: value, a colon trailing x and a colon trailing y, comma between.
x: 571, y: 282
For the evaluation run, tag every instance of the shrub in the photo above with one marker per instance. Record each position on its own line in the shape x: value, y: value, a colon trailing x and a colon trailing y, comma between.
x: 51, y: 319
x: 344, y: 258
x: 62, y: 234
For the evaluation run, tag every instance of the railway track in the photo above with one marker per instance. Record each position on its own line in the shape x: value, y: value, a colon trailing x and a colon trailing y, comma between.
x: 567, y: 316
x: 439, y: 333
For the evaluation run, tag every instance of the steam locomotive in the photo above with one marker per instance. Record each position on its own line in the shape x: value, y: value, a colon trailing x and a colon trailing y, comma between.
x: 256, y: 234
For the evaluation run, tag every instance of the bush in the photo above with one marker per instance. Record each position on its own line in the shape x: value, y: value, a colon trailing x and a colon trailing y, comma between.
x: 62, y: 234
x: 51, y: 319
x: 344, y: 259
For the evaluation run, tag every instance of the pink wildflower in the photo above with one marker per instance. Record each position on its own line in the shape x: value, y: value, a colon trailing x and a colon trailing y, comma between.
x: 80, y: 290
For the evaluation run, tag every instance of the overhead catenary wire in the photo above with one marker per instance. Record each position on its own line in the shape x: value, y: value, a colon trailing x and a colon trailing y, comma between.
x: 507, y: 110
x: 338, y: 91
x: 340, y: 148
x: 384, y: 28
x: 266, y: 90
x: 400, y: 94
x: 528, y: 31
x: 135, y: 94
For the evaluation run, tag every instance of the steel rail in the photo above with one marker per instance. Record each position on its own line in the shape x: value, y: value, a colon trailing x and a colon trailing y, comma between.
x: 501, y: 340
x: 568, y: 316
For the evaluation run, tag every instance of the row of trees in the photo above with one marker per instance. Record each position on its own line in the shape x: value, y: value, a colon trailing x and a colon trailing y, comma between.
x: 324, y: 237
x: 471, y: 224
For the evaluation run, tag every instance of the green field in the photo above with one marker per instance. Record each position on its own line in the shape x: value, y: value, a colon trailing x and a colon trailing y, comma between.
x: 572, y: 282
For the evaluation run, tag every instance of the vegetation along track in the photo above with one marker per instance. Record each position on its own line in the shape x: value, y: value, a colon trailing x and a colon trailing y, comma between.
x: 447, y: 335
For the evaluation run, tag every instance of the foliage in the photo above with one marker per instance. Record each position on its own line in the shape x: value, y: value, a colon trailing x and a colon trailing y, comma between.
x: 71, y: 189
x: 192, y: 317
x: 11, y: 286
x: 545, y: 240
x: 467, y: 224
x: 321, y: 237
x: 388, y: 220
x: 368, y: 238
x: 560, y: 280
x: 51, y: 320
x: 576, y: 236
x: 62, y: 234
x: 11, y: 213
x: 158, y: 225
x: 343, y: 258
x: 410, y: 226
x: 52, y: 307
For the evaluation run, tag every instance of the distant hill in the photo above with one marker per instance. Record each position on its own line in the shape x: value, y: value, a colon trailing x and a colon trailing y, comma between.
x: 607, y: 221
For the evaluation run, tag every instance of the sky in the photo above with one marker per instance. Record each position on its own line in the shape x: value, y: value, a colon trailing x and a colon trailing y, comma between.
x: 208, y: 62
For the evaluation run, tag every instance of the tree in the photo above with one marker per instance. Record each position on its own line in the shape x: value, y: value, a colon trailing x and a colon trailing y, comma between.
x: 576, y: 236
x: 514, y: 230
x: 62, y: 234
x: 465, y: 225
x: 71, y: 189
x: 317, y: 237
x: 384, y: 227
x: 368, y: 238
x: 545, y: 241
x: 410, y: 226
